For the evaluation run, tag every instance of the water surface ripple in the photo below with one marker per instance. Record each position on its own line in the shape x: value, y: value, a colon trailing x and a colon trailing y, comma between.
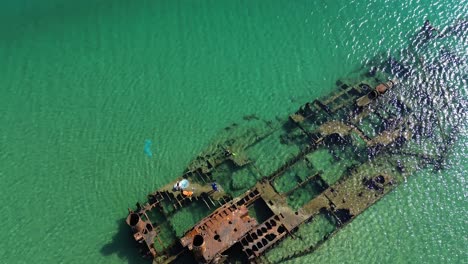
x: 85, y: 83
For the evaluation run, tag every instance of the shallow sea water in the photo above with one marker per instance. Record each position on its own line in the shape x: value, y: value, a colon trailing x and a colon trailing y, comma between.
x: 85, y: 83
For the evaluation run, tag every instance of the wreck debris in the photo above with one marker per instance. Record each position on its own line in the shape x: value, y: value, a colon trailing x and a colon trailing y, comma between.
x: 332, y: 159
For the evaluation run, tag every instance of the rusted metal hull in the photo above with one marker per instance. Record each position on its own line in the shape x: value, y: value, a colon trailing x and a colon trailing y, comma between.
x: 364, y: 128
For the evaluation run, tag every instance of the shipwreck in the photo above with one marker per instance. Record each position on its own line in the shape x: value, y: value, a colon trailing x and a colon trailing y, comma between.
x: 315, y: 169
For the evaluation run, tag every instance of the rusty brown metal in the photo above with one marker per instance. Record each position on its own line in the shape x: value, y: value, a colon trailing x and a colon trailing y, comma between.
x: 143, y: 231
x: 217, y: 232
x: 231, y: 224
x: 380, y: 89
x: 334, y: 121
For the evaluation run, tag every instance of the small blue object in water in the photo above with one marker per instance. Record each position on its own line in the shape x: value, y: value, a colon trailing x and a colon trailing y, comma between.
x: 214, y: 186
x: 147, y: 148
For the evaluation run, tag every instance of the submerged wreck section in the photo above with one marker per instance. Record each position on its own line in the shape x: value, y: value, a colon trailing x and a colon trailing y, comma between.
x: 319, y: 167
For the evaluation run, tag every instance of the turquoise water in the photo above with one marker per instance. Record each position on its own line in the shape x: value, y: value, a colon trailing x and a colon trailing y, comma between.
x: 85, y: 83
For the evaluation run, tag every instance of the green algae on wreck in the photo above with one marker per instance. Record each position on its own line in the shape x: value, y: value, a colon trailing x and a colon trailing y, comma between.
x: 311, y: 172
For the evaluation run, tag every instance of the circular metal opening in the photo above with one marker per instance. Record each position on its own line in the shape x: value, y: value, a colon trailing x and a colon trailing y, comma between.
x: 149, y: 227
x: 134, y: 218
x: 198, y: 240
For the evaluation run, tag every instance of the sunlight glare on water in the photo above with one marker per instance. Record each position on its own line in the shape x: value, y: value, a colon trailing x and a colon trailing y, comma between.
x: 85, y: 83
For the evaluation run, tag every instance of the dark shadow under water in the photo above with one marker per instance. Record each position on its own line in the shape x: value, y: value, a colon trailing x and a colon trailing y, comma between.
x: 123, y: 245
